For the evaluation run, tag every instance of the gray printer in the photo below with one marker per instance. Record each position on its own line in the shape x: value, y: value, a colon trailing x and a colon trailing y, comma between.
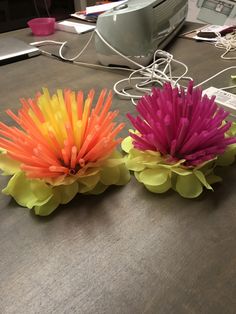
x: 137, y: 28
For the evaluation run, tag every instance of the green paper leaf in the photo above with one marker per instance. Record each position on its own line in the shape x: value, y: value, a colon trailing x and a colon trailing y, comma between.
x: 133, y: 153
x: 135, y: 164
x: 124, y: 177
x: 202, y: 179
x: 160, y: 188
x: 115, y: 159
x: 146, y: 156
x: 212, y: 178
x: 114, y: 162
x: 48, y: 208
x: 27, y: 192
x: 98, y: 189
x: 36, y: 193
x: 227, y: 158
x: 139, y: 160
x: 65, y: 193
x: 154, y: 177
x: 188, y: 186
x: 8, y: 165
x: 178, y: 163
x: 110, y: 175
x: 127, y: 144
x: 207, y: 167
x: 60, y: 180
x: 87, y: 183
x: 136, y: 174
x: 62, y: 194
x: 232, y: 130
x: 181, y: 171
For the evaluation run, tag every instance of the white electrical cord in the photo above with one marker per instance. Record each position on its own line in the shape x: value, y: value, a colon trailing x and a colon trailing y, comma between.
x: 79, y: 54
x: 228, y: 43
x: 115, y: 50
x: 141, y: 80
x: 61, y: 57
x: 145, y: 77
x: 46, y: 42
x: 217, y: 74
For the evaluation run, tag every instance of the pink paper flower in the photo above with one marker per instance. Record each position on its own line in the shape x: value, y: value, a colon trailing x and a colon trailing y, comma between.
x: 181, y: 125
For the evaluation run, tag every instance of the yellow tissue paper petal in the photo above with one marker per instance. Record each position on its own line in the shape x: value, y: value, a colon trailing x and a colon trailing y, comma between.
x: 188, y: 186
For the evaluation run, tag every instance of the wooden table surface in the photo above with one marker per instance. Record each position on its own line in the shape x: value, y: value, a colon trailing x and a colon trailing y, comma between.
x: 127, y: 251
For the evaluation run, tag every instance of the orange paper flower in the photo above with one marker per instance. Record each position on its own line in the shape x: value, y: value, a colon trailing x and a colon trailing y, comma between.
x: 59, y: 136
x: 61, y: 141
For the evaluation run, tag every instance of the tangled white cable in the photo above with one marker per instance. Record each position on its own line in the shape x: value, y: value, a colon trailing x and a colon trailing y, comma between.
x: 142, y: 80
x: 228, y: 43
x: 157, y: 73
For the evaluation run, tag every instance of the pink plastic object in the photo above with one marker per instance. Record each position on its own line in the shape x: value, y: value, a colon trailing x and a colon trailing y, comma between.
x: 42, y: 26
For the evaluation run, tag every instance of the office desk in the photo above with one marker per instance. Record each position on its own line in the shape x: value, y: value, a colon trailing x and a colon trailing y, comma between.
x: 128, y: 250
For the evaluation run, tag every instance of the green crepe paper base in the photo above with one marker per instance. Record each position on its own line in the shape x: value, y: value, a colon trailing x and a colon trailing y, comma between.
x: 151, y: 169
x: 45, y: 197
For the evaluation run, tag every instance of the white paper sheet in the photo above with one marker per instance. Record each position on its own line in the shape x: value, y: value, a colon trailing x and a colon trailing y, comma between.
x: 103, y: 7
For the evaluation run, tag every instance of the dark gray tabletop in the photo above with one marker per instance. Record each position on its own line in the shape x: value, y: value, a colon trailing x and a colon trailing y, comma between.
x: 128, y: 250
